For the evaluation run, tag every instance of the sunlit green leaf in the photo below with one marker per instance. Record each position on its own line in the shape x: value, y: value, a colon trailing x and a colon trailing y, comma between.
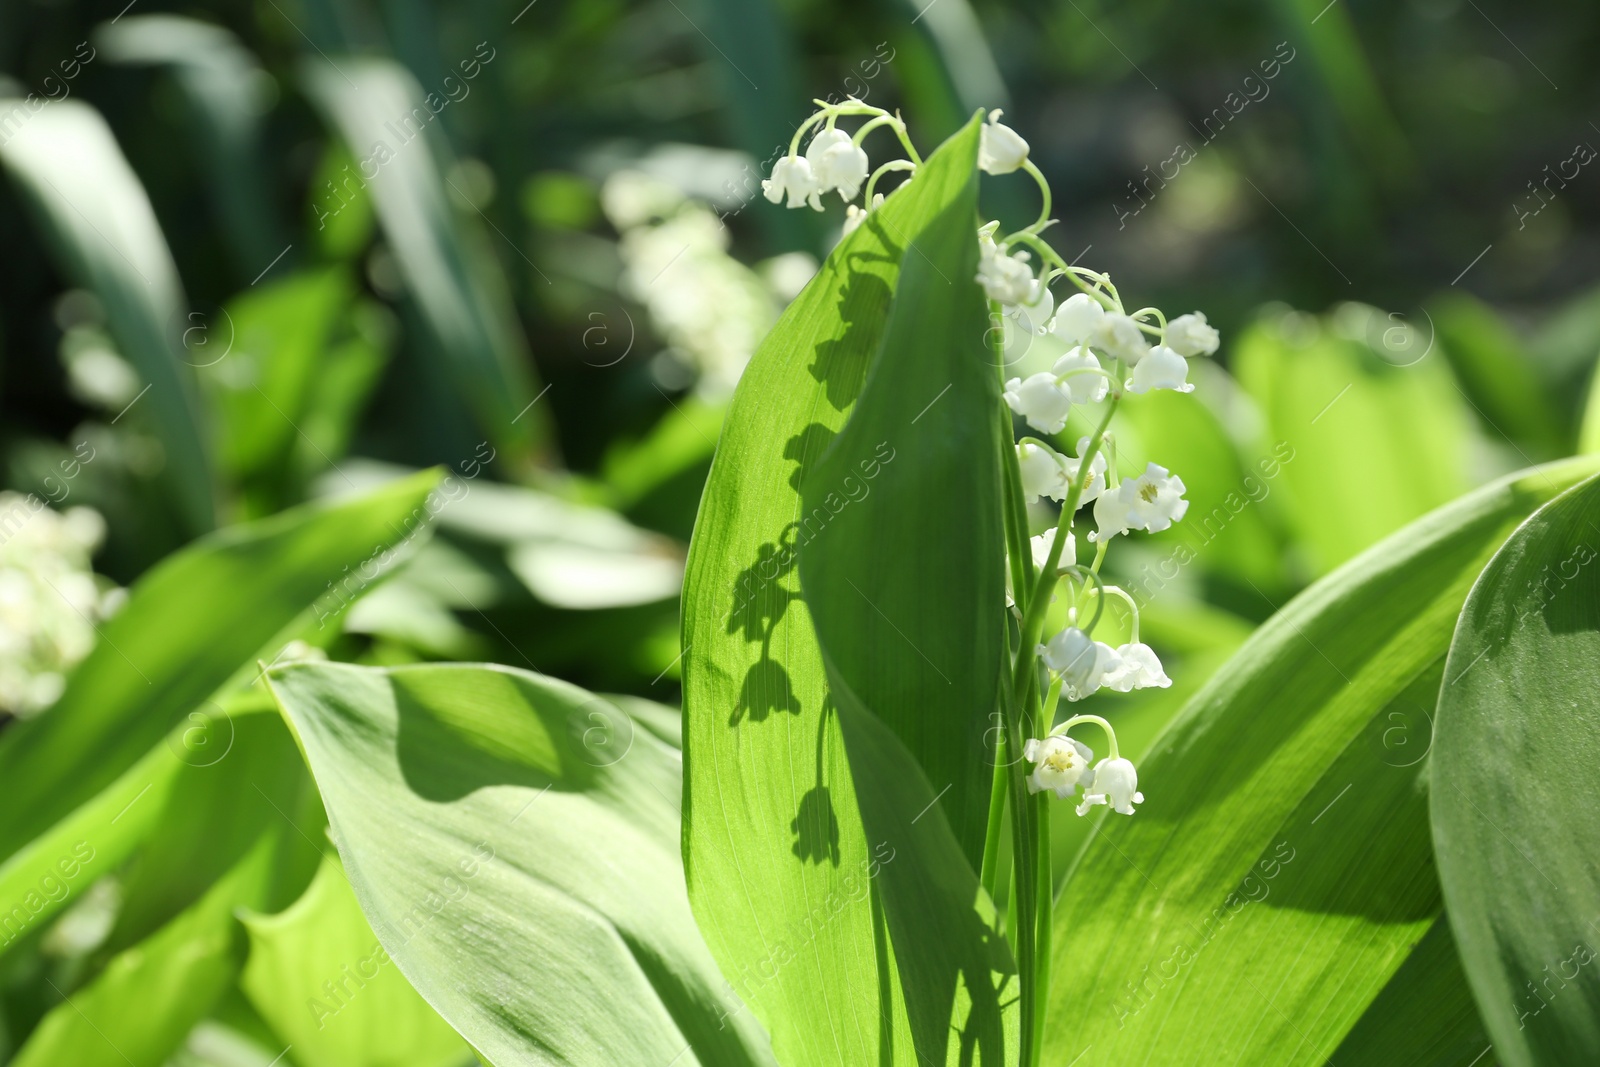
x: 772, y: 800
x: 319, y: 975
x: 1279, y: 870
x: 513, y: 841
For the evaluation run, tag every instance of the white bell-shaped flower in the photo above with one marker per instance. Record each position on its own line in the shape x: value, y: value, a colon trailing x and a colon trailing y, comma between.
x: 1007, y: 278
x: 1040, y: 545
x: 1115, y: 782
x: 1139, y: 669
x: 1040, y: 399
x: 1033, y: 314
x: 1082, y: 369
x: 1119, y: 337
x: 1191, y: 335
x: 1096, y: 484
x: 1044, y: 471
x: 1059, y: 764
x: 1153, y: 501
x: 792, y: 177
x: 1161, y: 368
x: 1001, y: 149
x: 837, y: 163
x: 1081, y: 661
x: 1078, y: 318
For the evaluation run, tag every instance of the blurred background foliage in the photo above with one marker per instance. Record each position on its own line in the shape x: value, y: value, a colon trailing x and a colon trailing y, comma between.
x: 263, y: 253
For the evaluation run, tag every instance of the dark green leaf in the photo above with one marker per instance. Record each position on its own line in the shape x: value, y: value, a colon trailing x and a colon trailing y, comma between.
x: 1516, y: 792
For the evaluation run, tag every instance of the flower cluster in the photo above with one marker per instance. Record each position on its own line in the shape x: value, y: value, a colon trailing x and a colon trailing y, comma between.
x: 49, y: 598
x: 709, y: 308
x: 1109, y: 351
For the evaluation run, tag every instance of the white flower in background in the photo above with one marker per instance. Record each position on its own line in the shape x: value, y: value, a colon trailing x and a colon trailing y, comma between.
x: 1161, y: 368
x: 1139, y: 669
x: 792, y: 177
x: 1040, y: 545
x: 1080, y: 316
x: 1044, y: 471
x: 1153, y: 501
x: 854, y: 216
x: 710, y: 309
x: 1059, y: 764
x: 1115, y: 782
x: 1082, y: 370
x: 49, y: 598
x: 1041, y: 399
x: 1081, y: 661
x: 1007, y: 277
x: 836, y: 163
x: 1119, y: 337
x: 1001, y: 149
x: 1096, y: 484
x: 1191, y: 335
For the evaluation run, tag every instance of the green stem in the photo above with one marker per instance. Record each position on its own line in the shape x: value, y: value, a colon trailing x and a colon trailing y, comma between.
x: 1044, y: 900
x: 1039, y: 598
x: 1111, y: 735
x: 1044, y: 192
x: 893, y: 164
x: 1024, y: 878
x: 990, y: 875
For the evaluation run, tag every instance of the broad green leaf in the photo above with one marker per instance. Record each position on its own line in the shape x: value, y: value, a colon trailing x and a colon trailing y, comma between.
x: 226, y: 93
x: 142, y: 1006
x: 513, y: 841
x: 99, y: 222
x: 318, y: 974
x: 189, y: 625
x: 1374, y: 445
x: 1516, y: 811
x: 382, y: 115
x: 782, y: 873
x: 1279, y: 870
x: 914, y: 665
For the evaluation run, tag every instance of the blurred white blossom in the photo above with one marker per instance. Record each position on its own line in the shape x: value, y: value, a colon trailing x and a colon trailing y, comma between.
x: 49, y: 598
x: 710, y: 309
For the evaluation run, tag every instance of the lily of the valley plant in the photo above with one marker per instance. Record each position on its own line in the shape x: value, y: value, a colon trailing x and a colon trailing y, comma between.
x: 1033, y: 291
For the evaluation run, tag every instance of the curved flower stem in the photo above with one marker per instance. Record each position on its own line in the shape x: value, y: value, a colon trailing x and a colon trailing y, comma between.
x: 1133, y: 609
x: 1044, y: 191
x: 794, y: 142
x: 1111, y: 735
x: 893, y: 164
x: 870, y: 125
x: 1102, y: 289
